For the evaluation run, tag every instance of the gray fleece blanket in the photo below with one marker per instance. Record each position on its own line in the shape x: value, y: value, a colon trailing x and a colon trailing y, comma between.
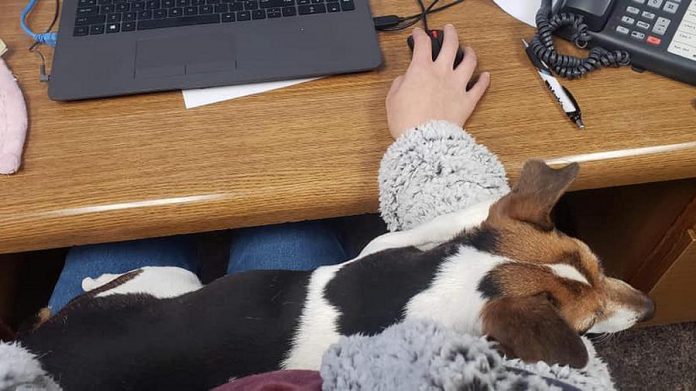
x: 421, y: 355
x: 435, y: 169
x: 413, y: 355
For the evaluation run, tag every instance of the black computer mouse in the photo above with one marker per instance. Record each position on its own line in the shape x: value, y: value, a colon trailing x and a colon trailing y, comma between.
x: 436, y: 38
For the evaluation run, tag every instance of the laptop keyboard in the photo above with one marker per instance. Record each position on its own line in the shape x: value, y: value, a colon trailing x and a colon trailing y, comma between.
x: 96, y: 17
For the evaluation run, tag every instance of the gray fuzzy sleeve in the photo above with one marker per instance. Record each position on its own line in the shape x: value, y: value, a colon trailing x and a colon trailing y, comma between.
x: 435, y: 169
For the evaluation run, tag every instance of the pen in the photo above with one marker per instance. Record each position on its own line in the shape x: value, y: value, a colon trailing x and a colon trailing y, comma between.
x: 564, y: 97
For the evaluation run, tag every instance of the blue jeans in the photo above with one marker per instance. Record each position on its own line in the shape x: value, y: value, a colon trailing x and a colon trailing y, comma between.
x: 296, y: 246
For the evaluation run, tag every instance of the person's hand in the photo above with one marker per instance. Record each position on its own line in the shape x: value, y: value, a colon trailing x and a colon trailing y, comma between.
x: 432, y: 90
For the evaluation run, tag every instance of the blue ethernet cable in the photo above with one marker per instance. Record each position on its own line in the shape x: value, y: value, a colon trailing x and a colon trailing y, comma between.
x: 48, y: 38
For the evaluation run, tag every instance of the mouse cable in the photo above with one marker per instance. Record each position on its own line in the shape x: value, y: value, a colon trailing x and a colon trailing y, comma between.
x: 47, y: 37
x: 398, y: 23
x: 566, y: 66
x: 424, y: 13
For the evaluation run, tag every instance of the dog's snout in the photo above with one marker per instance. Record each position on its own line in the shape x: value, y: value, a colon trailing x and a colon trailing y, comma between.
x: 648, y: 309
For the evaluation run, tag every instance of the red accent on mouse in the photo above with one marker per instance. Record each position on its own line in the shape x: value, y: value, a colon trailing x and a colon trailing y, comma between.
x: 436, y: 39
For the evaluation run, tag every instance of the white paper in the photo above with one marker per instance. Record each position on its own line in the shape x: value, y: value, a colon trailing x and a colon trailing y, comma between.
x: 206, y: 96
x: 523, y: 10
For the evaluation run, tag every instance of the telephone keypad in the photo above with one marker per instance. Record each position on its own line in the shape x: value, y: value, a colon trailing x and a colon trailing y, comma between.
x: 660, y: 30
x: 660, y: 35
x: 654, y: 40
x: 643, y: 16
x: 671, y: 7
x: 661, y: 26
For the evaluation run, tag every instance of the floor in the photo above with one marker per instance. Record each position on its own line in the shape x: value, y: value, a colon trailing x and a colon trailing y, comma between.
x: 652, y: 358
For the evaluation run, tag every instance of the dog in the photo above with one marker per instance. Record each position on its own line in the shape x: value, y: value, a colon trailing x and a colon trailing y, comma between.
x: 499, y: 269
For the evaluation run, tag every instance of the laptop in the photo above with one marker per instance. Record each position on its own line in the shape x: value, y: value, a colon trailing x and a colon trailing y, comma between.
x: 120, y: 47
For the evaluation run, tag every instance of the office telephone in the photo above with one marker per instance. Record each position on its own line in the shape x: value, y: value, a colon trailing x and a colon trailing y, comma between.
x: 659, y: 35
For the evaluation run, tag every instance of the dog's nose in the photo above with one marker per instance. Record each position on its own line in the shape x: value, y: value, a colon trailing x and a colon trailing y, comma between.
x: 648, y: 309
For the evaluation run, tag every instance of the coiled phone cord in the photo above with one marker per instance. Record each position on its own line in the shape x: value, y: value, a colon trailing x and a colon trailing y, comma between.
x: 570, y: 67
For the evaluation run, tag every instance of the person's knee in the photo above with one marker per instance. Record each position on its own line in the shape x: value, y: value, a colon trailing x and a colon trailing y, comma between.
x: 116, y: 258
x: 296, y: 246
x: 121, y: 257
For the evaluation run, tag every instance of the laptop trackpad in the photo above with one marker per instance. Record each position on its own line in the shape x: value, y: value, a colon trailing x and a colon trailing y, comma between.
x: 184, y: 55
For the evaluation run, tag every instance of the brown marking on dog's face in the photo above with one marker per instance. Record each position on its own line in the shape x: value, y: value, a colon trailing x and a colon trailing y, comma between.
x: 576, y: 302
x: 551, y: 265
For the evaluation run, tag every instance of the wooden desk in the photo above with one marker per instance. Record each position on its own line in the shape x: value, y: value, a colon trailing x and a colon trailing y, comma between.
x: 144, y: 166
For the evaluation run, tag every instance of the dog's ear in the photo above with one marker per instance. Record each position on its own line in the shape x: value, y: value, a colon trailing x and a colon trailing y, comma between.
x: 530, y: 328
x: 536, y: 193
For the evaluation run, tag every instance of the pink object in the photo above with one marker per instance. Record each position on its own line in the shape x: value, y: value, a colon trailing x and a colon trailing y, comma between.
x: 290, y: 380
x: 13, y: 122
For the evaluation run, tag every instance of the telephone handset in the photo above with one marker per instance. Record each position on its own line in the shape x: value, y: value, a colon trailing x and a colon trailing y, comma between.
x: 659, y: 35
x: 595, y: 13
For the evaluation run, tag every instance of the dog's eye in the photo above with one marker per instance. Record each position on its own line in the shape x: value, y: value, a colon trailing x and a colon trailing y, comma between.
x: 589, y: 326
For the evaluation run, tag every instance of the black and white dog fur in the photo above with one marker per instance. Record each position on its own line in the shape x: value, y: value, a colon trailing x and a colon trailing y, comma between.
x: 499, y: 269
